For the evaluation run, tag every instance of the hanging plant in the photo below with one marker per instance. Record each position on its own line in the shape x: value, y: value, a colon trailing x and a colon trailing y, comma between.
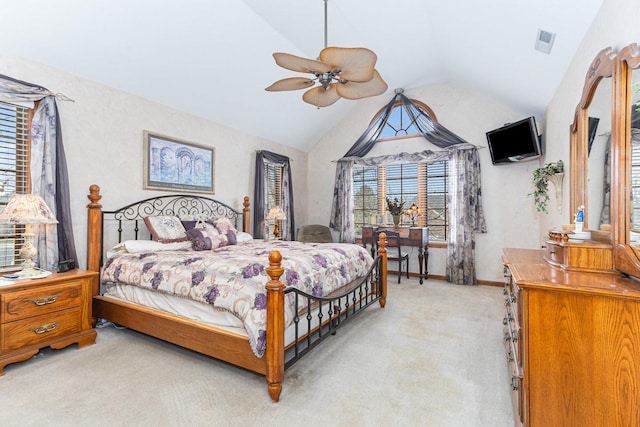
x: 541, y: 184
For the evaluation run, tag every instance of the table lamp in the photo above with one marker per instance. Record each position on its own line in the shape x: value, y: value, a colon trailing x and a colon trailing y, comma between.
x: 27, y: 209
x: 413, y: 212
x: 276, y: 214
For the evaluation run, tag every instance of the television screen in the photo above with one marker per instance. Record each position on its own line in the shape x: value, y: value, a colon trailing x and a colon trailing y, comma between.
x: 514, y: 142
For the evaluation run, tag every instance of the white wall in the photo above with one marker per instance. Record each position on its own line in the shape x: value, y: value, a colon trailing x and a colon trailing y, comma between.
x: 103, y: 133
x: 510, y: 214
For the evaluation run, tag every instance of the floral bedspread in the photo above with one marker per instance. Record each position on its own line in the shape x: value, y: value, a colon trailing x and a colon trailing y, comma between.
x: 233, y: 277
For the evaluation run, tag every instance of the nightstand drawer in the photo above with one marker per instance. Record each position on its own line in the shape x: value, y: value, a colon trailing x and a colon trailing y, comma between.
x: 33, y: 331
x: 40, y: 300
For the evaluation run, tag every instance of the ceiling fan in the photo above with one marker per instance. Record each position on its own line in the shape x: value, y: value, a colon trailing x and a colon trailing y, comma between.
x: 341, y: 73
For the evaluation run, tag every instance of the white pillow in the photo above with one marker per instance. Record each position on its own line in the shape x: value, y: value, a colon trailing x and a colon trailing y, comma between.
x: 243, y: 237
x: 137, y: 246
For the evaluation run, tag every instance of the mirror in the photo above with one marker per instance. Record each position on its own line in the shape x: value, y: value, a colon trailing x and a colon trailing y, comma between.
x: 598, y: 143
x: 634, y: 138
x: 625, y: 161
x: 590, y: 144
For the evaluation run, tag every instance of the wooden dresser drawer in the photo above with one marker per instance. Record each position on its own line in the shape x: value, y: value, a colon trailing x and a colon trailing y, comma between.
x: 40, y: 300
x: 555, y: 254
x: 35, y: 330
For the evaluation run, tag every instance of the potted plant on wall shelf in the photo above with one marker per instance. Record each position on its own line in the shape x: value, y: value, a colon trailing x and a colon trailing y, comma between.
x: 553, y: 172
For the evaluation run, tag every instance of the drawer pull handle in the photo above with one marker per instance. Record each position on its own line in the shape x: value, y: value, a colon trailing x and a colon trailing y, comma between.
x: 43, y: 329
x: 45, y: 300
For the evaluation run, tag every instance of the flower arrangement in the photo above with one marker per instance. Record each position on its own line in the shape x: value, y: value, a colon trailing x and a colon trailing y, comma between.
x: 395, y: 206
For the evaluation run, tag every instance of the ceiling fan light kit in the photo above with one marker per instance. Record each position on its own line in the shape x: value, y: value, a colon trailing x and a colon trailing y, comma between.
x: 341, y: 72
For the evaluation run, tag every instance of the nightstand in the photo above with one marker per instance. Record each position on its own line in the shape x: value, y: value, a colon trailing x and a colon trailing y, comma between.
x: 51, y: 312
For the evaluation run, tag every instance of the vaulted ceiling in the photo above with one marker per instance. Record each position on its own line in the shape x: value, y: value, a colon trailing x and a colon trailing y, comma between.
x: 212, y: 58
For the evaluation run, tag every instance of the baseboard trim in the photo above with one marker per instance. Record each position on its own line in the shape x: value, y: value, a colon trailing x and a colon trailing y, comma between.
x: 438, y: 277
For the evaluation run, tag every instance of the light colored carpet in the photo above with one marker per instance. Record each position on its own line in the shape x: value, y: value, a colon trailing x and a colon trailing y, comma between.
x: 432, y: 357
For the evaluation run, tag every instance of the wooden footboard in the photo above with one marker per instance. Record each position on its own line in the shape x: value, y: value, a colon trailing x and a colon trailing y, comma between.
x: 225, y: 345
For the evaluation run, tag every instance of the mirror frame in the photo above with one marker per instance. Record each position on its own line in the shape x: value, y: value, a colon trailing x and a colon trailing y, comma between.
x: 601, y: 67
x: 626, y: 257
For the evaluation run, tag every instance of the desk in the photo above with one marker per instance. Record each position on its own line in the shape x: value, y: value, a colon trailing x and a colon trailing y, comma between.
x: 409, y: 236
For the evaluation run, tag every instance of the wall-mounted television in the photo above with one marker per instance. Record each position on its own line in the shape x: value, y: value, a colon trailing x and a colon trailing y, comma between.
x: 514, y: 142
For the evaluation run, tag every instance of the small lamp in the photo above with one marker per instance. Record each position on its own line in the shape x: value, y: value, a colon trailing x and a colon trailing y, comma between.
x: 276, y: 214
x: 27, y: 209
x: 413, y: 212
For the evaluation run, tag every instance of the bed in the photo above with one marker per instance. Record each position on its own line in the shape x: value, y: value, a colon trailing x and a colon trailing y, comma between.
x: 292, y: 295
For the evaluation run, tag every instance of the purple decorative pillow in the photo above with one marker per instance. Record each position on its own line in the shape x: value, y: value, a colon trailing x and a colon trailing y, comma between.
x: 166, y: 229
x: 206, y: 238
x: 224, y: 226
x: 188, y: 224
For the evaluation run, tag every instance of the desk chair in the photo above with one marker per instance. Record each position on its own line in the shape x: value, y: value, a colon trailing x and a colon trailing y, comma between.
x: 394, y: 251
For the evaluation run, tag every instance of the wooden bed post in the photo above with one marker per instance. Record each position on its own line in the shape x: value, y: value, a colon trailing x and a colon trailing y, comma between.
x: 94, y: 239
x: 275, y: 326
x: 246, y: 215
x: 94, y: 230
x: 382, y: 252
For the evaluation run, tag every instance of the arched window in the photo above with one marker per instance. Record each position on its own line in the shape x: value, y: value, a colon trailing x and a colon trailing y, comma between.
x: 399, y: 124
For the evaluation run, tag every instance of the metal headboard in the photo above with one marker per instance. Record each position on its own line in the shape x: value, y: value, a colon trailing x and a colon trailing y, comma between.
x: 128, y: 221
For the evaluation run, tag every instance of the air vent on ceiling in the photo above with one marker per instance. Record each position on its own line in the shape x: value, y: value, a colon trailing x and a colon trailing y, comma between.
x: 544, y: 41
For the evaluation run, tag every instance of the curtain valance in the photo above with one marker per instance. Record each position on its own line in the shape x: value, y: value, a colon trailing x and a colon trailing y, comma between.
x: 429, y: 128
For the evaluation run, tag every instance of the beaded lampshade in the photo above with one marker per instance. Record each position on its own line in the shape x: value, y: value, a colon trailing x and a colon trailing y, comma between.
x: 276, y: 214
x: 27, y: 209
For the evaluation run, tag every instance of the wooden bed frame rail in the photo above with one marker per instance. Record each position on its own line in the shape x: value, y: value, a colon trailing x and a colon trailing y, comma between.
x: 224, y: 345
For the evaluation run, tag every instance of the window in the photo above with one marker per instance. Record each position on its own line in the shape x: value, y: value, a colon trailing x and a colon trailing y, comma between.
x: 14, y: 137
x: 399, y: 124
x: 274, y: 187
x: 425, y: 184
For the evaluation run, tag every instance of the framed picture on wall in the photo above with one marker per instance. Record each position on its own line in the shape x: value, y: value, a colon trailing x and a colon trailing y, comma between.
x: 175, y: 165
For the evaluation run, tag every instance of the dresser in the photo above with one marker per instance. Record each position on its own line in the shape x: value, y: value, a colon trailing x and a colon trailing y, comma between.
x: 50, y: 312
x: 572, y: 343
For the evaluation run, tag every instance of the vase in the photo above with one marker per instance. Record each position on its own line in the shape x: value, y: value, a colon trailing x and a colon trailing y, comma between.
x: 396, y: 220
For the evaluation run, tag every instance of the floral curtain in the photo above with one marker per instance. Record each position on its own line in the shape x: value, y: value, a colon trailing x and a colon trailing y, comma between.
x: 342, y: 208
x: 48, y: 169
x: 260, y: 208
x: 465, y: 213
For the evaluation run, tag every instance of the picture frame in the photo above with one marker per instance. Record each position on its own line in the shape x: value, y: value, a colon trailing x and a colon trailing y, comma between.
x: 172, y: 164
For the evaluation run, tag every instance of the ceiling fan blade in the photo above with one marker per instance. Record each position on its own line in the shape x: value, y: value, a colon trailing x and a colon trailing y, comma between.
x: 291, y: 83
x: 297, y: 63
x: 320, y: 97
x: 356, y: 63
x: 357, y: 90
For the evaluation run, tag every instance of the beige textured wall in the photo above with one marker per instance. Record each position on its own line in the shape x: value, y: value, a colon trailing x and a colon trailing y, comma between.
x: 103, y: 131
